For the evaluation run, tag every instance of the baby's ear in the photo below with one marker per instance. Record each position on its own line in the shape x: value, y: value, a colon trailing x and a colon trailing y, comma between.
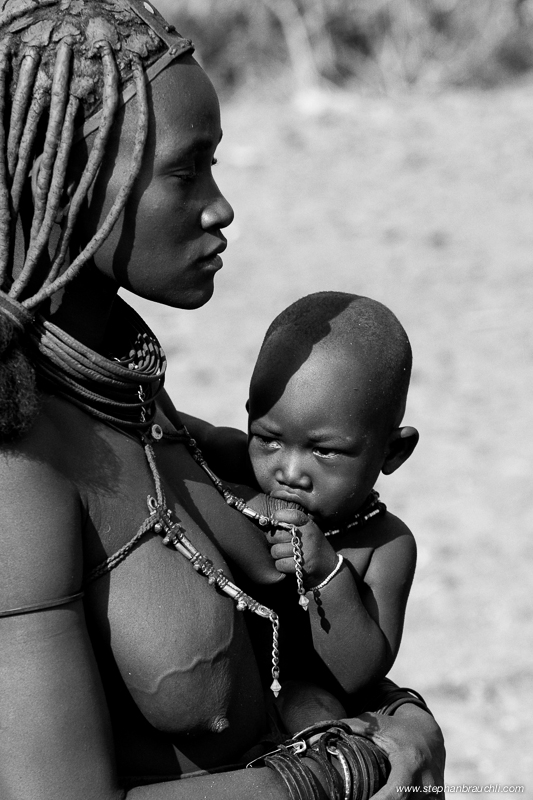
x: 401, y: 444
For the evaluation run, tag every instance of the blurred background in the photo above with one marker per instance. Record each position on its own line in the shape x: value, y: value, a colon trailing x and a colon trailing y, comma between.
x: 385, y: 147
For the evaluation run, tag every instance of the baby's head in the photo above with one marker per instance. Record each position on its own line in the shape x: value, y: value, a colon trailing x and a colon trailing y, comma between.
x: 327, y: 398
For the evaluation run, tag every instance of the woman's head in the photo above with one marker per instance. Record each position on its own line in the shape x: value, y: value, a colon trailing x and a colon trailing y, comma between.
x: 63, y: 65
x: 85, y: 175
x: 166, y: 244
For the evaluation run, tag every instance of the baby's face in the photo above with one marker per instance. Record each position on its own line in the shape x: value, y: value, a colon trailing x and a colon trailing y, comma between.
x: 315, y: 445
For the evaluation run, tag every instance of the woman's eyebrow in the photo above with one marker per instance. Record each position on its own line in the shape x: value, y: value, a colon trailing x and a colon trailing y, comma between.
x: 185, y: 150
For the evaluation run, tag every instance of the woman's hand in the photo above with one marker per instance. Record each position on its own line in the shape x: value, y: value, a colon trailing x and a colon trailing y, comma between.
x: 319, y: 557
x: 414, y: 745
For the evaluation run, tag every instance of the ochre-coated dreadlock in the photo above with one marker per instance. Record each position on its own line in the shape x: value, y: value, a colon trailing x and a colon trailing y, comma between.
x: 60, y: 61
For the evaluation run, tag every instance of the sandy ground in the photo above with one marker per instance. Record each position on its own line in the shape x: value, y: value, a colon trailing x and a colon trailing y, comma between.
x: 424, y: 203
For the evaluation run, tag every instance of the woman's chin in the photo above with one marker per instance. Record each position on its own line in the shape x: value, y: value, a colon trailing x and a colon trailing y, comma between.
x: 188, y: 300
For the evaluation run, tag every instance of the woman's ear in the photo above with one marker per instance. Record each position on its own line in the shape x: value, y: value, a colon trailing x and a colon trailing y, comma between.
x: 401, y: 444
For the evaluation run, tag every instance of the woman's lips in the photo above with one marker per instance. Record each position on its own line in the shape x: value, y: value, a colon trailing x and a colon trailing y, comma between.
x: 213, y: 263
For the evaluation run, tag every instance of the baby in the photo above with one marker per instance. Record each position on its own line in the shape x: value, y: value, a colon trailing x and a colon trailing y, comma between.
x: 327, y: 398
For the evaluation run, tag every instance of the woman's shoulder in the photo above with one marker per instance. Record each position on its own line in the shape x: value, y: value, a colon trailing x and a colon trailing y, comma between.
x: 40, y: 541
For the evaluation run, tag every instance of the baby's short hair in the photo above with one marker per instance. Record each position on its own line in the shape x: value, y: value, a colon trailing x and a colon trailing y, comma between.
x: 360, y: 326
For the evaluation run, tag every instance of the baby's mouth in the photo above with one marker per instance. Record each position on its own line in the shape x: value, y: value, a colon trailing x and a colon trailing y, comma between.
x: 283, y: 499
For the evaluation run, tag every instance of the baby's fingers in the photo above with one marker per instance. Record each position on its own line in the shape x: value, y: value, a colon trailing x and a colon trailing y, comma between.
x: 291, y: 516
x: 283, y: 557
x: 279, y: 536
x: 285, y: 565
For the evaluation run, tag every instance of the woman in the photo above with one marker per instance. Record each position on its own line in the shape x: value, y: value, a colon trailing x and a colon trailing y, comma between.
x: 151, y: 676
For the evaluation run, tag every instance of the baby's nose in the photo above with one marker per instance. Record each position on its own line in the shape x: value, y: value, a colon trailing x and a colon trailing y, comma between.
x: 292, y: 473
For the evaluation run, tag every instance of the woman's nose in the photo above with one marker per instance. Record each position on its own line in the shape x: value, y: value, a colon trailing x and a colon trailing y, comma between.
x: 218, y: 213
x: 291, y: 472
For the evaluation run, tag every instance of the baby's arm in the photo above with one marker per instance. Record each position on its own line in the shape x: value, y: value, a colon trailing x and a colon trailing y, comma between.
x: 358, y: 620
x: 301, y: 704
x: 224, y: 449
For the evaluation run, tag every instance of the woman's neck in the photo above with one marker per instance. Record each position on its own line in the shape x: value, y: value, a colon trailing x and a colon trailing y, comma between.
x: 84, y: 307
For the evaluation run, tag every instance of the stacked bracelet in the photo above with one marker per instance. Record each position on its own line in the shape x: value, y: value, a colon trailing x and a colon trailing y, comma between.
x: 362, y: 769
x: 298, y: 778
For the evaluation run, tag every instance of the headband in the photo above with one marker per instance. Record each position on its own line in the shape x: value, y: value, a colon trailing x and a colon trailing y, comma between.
x: 177, y: 46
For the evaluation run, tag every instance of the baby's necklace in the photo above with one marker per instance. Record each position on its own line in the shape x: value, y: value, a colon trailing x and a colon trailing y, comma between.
x: 372, y: 507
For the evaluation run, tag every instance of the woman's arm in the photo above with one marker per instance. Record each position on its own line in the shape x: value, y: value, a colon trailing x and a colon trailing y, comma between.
x: 415, y: 747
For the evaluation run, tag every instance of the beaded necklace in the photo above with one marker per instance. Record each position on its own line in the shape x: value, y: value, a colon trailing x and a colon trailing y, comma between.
x: 372, y: 507
x: 121, y: 392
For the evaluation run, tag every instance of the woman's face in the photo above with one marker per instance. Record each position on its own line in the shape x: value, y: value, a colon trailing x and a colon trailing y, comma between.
x: 166, y: 245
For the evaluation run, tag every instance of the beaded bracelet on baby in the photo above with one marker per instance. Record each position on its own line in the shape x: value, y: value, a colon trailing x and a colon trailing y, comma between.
x: 304, y: 601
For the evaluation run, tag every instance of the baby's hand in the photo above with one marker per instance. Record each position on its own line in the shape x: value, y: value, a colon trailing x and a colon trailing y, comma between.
x: 319, y: 557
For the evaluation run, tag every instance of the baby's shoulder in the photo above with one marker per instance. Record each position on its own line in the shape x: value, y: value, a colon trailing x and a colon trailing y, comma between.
x: 382, y: 544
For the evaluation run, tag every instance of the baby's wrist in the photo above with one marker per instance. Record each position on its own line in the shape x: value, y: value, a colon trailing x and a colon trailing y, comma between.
x: 320, y: 578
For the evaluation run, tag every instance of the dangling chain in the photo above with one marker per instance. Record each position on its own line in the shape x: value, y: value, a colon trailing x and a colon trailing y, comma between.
x: 174, y: 535
x: 298, y: 558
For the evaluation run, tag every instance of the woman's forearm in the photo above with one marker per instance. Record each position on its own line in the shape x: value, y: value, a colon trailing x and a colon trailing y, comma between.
x: 241, y: 784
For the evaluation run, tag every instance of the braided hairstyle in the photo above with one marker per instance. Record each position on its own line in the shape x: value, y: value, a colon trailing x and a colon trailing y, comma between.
x: 61, y: 62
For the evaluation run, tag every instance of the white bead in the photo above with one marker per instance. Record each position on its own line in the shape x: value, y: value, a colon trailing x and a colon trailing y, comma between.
x: 157, y: 432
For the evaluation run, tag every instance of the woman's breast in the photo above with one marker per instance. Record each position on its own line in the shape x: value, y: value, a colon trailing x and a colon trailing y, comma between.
x: 179, y: 644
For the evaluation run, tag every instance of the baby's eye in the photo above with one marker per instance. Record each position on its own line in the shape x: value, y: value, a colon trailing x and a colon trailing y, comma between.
x: 267, y: 441
x: 325, y: 452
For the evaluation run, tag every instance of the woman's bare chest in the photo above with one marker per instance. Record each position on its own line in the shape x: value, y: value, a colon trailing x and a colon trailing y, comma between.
x: 180, y: 646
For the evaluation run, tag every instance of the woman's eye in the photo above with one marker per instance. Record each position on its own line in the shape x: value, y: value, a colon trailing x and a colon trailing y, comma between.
x: 186, y: 175
x: 189, y: 174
